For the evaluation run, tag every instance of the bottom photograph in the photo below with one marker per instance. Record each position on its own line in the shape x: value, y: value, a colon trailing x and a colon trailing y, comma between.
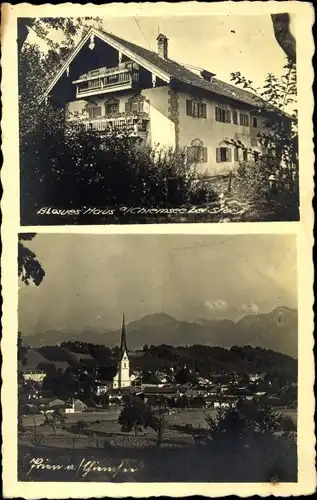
x: 157, y: 358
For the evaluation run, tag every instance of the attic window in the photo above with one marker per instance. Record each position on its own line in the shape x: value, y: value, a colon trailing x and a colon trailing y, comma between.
x: 207, y: 75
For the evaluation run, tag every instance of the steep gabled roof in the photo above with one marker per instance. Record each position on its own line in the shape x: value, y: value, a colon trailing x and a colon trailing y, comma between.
x: 181, y: 73
x: 166, y: 69
x: 123, y: 344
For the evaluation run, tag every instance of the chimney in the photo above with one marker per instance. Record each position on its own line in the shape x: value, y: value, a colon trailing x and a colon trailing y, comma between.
x: 162, y: 45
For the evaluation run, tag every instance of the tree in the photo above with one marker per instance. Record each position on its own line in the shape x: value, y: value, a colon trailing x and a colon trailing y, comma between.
x: 279, y: 142
x: 29, y: 268
x: 184, y: 376
x: 134, y: 414
x: 146, y: 350
x: 22, y: 350
x: 158, y: 424
x: 246, y: 420
x: 80, y: 426
x: 42, y: 26
x: 59, y: 416
x: 283, y: 35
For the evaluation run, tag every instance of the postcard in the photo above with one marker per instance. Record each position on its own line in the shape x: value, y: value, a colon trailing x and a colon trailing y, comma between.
x: 143, y: 342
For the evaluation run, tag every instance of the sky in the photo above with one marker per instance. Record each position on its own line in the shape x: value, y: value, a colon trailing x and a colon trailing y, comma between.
x: 221, y: 44
x: 92, y: 279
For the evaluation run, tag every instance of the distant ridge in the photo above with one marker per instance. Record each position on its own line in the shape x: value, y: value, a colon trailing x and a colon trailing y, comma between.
x: 276, y: 330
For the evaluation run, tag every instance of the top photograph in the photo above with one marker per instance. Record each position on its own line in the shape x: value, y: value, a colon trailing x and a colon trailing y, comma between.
x: 151, y: 120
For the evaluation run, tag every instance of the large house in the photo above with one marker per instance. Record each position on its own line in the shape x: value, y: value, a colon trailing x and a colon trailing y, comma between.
x: 109, y: 83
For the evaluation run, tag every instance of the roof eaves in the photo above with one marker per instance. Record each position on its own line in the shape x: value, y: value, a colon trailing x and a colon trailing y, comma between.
x: 114, y: 43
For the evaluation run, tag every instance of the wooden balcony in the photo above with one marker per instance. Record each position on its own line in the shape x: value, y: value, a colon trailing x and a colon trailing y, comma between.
x: 134, y: 126
x: 104, y: 80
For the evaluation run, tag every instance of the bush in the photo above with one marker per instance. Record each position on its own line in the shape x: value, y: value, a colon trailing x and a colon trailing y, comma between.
x: 247, y: 420
x: 275, y: 201
x: 75, y: 168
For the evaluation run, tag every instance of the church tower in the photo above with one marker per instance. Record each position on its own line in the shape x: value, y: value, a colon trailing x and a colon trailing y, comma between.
x: 122, y: 379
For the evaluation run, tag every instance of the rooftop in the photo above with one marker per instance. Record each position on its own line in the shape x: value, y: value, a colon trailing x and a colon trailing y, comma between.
x: 168, y: 69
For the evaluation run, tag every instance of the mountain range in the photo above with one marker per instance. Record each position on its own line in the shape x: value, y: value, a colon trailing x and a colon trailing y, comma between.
x: 276, y: 330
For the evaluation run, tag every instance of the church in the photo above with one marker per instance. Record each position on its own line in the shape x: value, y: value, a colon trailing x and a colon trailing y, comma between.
x: 116, y: 376
x: 122, y: 378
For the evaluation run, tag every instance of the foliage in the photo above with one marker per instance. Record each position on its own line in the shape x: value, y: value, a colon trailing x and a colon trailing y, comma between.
x: 134, y: 414
x: 81, y: 425
x: 247, y: 419
x: 158, y: 424
x: 36, y: 439
x: 278, y: 199
x: 43, y: 26
x: 29, y: 268
x: 79, y: 169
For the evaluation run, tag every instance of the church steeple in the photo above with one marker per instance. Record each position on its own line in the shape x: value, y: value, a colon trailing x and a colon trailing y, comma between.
x: 123, y: 346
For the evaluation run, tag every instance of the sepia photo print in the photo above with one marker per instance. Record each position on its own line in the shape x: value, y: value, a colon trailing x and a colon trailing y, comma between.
x: 157, y: 230
x: 158, y: 119
x: 157, y: 358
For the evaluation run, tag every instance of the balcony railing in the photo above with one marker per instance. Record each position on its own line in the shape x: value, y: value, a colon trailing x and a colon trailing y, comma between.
x: 105, y: 80
x: 133, y: 126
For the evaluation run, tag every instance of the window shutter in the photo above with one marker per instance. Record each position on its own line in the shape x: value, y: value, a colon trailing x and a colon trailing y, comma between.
x: 235, y: 117
x: 228, y: 112
x: 217, y: 114
x: 204, y: 155
x: 189, y: 107
x: 247, y: 122
x: 218, y: 155
x: 204, y: 110
x: 229, y: 154
x: 241, y: 119
x: 236, y: 154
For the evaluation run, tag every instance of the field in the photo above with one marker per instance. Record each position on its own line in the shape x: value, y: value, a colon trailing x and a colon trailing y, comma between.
x: 107, y: 454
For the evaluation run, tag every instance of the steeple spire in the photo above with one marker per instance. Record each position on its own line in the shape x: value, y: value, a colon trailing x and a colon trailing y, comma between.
x: 123, y: 346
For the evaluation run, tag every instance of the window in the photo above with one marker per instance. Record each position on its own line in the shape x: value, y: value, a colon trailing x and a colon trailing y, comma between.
x: 245, y: 155
x: 235, y: 117
x: 196, y: 109
x: 236, y: 154
x: 254, y: 122
x: 244, y: 119
x: 135, y: 104
x: 223, y: 155
x: 112, y: 106
x: 197, y: 153
x: 124, y: 365
x: 223, y: 115
x: 94, y: 112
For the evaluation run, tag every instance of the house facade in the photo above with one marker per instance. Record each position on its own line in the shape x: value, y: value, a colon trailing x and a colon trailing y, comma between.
x: 109, y: 83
